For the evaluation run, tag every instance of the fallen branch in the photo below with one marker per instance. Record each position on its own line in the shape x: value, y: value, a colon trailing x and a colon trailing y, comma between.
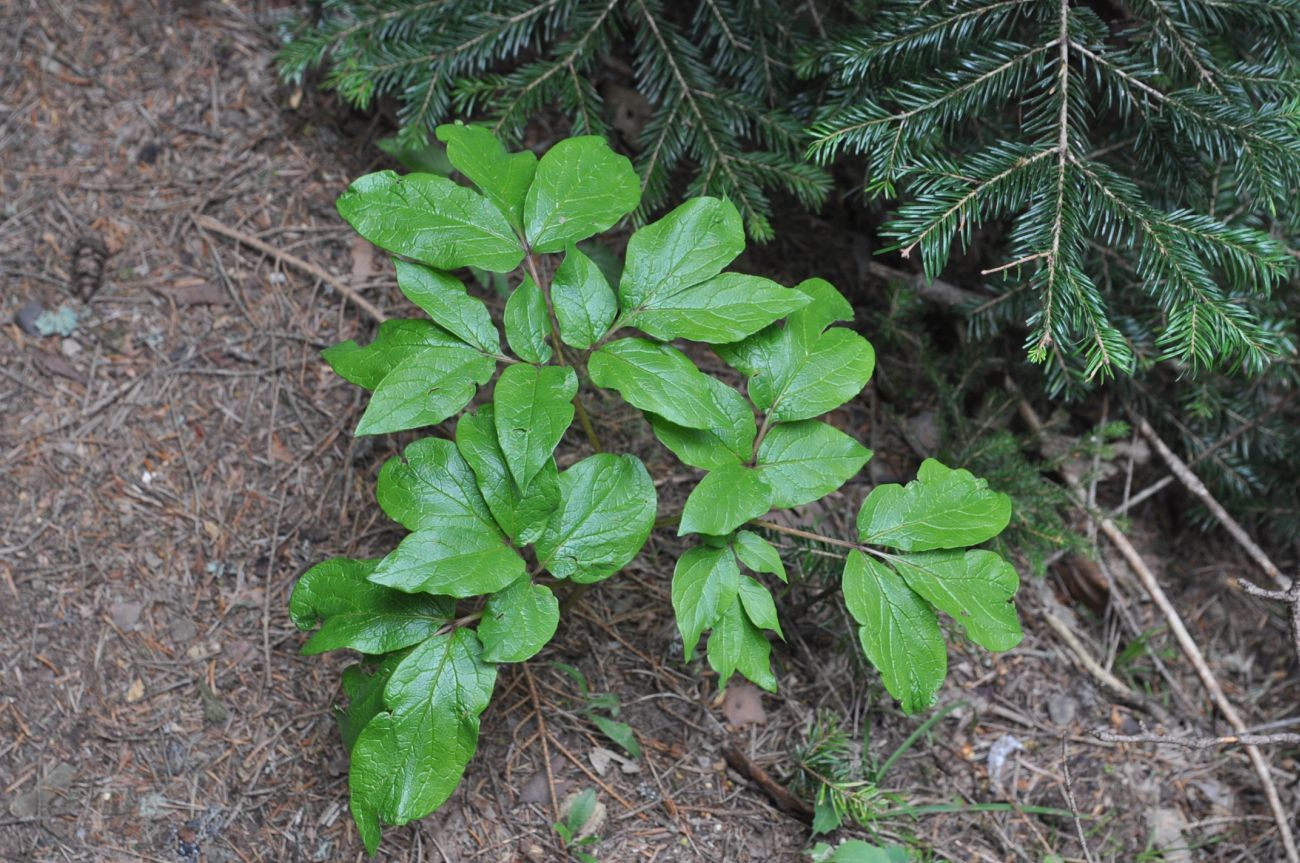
x: 1199, y: 742
x: 780, y: 795
x: 1291, y: 597
x: 210, y: 224
x: 1185, y: 642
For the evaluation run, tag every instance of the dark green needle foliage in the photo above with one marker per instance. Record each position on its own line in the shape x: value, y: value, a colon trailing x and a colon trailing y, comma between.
x: 1128, y: 168
x: 716, y: 75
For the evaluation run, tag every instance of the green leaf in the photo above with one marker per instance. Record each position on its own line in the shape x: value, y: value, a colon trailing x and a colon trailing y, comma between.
x: 431, y: 219
x: 705, y: 581
x: 518, y: 622
x: 725, y: 499
x: 395, y: 341
x: 522, y: 516
x: 407, y: 762
x: 726, y: 308
x: 805, y: 461
x: 826, y: 818
x: 659, y: 379
x: 503, y: 177
x: 737, y: 645
x: 619, y: 732
x: 430, y: 158
x: 432, y: 375
x: 444, y: 299
x: 584, y: 302
x: 759, y: 606
x: 758, y: 554
x: 689, y: 245
x: 534, y: 406
x: 974, y: 587
x: 582, y: 187
x: 463, y: 562
x: 431, y: 486
x: 528, y: 324
x: 799, y: 371
x: 941, y: 508
x: 899, y: 632
x: 363, y: 684
x: 712, y: 447
x: 355, y: 613
x: 606, y: 513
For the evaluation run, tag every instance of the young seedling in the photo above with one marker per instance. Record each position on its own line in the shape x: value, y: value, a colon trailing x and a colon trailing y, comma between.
x: 496, y: 528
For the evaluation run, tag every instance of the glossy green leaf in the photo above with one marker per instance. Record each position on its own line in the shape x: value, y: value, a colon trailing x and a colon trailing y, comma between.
x: 434, y: 377
x: 606, y: 512
x: 798, y: 371
x: 461, y: 563
x: 431, y: 219
x: 659, y: 379
x: 976, y: 588
x: 444, y: 299
x: 689, y: 245
x: 705, y: 581
x: 363, y: 684
x: 584, y: 302
x: 726, y: 308
x: 725, y: 499
x: 355, y: 613
x: 581, y: 188
x: 736, y: 644
x: 712, y: 447
x: 518, y: 622
x: 533, y: 407
x: 759, y: 606
x: 502, y: 177
x: 528, y: 326
x: 431, y: 486
x: 522, y: 516
x: 807, y: 460
x: 758, y: 554
x: 408, y: 761
x: 899, y: 632
x: 395, y: 341
x: 941, y: 508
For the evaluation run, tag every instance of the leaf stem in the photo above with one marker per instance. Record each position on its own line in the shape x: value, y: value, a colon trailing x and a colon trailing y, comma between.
x: 584, y: 419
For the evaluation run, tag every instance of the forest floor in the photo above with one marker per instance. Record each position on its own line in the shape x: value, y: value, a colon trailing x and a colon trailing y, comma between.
x: 172, y: 464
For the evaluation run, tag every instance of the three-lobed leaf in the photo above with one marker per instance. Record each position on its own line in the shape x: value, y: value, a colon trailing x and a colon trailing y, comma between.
x: 941, y: 508
x: 975, y: 587
x: 503, y: 178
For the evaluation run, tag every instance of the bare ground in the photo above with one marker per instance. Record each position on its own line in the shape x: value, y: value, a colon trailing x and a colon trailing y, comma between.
x: 168, y: 469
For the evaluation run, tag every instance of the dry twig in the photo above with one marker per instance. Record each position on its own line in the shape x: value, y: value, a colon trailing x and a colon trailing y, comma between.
x: 1199, y: 742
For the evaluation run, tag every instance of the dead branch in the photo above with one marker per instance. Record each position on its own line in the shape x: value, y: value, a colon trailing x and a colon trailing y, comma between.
x: 1198, y: 742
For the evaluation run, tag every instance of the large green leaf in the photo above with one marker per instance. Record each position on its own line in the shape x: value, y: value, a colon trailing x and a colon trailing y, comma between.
x: 584, y: 302
x: 800, y: 371
x: 726, y: 308
x: 758, y: 554
x: 941, y: 508
x: 407, y: 762
x: 606, y: 513
x: 431, y: 486
x: 807, y: 460
x: 527, y: 323
x: 444, y: 299
x: 712, y: 447
x: 759, y: 606
x: 395, y: 341
x: 355, y: 613
x: 431, y: 219
x: 581, y: 188
x: 503, y: 177
x: 659, y: 379
x: 462, y: 562
x: 736, y: 644
x: 705, y: 581
x: 899, y: 631
x: 518, y: 622
x: 429, y: 384
x: 522, y: 516
x: 689, y: 245
x: 534, y: 406
x: 974, y: 587
x: 725, y: 499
